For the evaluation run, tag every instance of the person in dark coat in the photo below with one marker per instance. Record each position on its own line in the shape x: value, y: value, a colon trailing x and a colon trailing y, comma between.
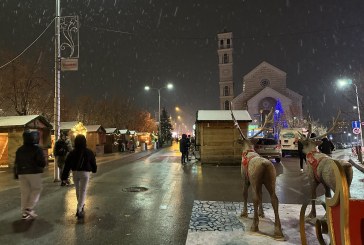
x: 61, y: 148
x: 28, y: 167
x: 183, y: 148
x: 301, y: 155
x: 81, y: 161
x: 326, y: 146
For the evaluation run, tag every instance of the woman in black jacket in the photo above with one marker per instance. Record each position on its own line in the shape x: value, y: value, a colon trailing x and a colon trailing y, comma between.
x: 81, y: 161
x: 29, y: 165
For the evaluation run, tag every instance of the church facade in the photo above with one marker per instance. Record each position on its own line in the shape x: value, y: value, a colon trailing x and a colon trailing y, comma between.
x: 264, y: 87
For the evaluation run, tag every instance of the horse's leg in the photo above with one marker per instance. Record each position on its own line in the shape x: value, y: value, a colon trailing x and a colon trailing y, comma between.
x: 261, y: 211
x: 255, y: 189
x: 327, y: 191
x: 314, y: 185
x: 274, y: 199
x: 244, y: 213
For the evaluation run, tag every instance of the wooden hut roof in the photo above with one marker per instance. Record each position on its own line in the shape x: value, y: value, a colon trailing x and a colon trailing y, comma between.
x: 95, y: 128
x: 123, y: 131
x: 66, y: 125
x: 22, y: 121
x: 111, y: 130
x: 223, y: 115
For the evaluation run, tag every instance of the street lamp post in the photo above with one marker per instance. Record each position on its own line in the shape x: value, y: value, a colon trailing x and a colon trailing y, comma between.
x: 168, y: 86
x: 343, y: 82
x: 57, y: 78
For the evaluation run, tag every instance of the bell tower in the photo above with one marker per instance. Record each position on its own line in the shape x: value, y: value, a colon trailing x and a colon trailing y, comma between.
x: 226, y: 83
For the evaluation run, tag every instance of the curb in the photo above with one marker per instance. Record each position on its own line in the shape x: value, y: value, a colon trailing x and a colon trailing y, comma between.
x: 360, y: 167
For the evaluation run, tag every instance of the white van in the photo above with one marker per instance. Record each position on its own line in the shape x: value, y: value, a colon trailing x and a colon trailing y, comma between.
x: 288, y: 139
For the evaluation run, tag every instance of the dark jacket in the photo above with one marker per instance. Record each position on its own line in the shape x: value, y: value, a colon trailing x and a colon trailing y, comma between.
x: 300, y: 147
x: 79, y: 160
x: 183, y: 144
x: 29, y: 158
x: 326, y: 146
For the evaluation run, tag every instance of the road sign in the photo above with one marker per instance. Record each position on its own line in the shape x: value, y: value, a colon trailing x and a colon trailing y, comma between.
x: 355, y: 124
x: 356, y: 130
x: 69, y: 64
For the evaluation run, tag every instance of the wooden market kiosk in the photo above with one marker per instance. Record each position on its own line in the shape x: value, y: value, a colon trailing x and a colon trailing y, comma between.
x: 216, y: 136
x: 96, y: 138
x: 11, y: 135
x: 111, y: 138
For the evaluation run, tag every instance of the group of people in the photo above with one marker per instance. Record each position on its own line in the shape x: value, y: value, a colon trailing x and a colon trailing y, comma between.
x: 184, y: 146
x: 325, y: 147
x: 30, y: 162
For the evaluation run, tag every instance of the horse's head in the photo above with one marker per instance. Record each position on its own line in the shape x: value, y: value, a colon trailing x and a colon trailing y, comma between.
x: 311, y: 141
x: 247, y: 144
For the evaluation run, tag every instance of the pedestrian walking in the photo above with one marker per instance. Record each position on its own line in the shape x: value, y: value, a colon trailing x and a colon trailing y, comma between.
x: 81, y: 161
x: 301, y: 155
x: 183, y: 148
x: 326, y: 146
x: 28, y: 167
x: 61, y: 149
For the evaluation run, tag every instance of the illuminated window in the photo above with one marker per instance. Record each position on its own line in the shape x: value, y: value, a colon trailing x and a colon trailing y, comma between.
x: 227, y: 105
x: 226, y: 59
x: 226, y: 91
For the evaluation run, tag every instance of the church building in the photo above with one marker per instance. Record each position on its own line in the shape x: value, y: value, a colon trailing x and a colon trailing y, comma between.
x: 264, y: 87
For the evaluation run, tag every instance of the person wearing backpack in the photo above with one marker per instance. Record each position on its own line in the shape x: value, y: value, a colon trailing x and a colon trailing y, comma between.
x: 62, y: 147
x: 81, y: 161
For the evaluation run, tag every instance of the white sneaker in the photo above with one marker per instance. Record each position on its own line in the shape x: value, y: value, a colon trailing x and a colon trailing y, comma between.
x: 31, y: 213
x: 301, y: 170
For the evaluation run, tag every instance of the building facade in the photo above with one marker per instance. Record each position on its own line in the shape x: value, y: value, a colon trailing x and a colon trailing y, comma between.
x: 264, y: 87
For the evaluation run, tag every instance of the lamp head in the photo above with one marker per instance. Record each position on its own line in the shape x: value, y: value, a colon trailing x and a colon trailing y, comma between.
x: 169, y: 85
x: 343, y: 82
x: 146, y: 88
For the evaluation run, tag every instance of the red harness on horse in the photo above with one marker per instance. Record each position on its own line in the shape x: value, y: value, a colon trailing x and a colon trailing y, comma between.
x: 245, y: 160
x: 314, y: 162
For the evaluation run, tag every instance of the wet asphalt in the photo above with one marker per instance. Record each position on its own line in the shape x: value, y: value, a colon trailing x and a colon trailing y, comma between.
x: 159, y: 215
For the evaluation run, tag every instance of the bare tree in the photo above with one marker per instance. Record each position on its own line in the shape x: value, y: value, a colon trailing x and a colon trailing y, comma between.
x: 25, y: 89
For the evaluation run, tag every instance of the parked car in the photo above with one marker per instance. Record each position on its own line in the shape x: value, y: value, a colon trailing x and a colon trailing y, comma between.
x: 269, y: 148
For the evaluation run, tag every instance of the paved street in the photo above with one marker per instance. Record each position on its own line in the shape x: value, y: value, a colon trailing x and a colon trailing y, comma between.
x: 159, y: 215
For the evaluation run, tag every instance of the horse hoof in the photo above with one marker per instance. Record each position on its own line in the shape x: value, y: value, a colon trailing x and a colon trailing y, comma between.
x: 244, y: 215
x: 254, y: 228
x: 278, y: 235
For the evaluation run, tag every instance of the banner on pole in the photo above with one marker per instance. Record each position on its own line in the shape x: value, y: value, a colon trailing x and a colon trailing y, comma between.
x: 69, y: 64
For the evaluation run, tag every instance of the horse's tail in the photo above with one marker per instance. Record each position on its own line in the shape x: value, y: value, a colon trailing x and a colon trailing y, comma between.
x: 270, y: 171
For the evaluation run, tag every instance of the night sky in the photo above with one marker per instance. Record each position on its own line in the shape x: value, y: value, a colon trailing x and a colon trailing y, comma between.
x: 126, y: 45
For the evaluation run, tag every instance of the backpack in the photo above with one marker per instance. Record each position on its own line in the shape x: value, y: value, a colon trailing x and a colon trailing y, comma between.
x: 60, y: 149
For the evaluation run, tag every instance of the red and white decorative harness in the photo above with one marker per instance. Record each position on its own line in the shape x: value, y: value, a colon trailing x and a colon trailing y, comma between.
x: 314, y: 162
x: 245, y: 160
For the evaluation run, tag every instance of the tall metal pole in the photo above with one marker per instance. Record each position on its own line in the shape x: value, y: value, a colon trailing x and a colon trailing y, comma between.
x: 357, y: 105
x: 159, y: 116
x: 57, y: 85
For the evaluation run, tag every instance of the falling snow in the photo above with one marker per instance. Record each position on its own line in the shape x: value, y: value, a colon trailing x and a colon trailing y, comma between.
x: 125, y: 44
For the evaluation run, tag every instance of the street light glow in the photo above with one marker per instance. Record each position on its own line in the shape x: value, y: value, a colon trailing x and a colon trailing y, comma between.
x: 177, y: 108
x: 343, y: 82
x: 169, y: 86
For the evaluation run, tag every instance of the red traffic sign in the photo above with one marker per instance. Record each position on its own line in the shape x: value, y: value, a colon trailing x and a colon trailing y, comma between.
x: 356, y: 130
